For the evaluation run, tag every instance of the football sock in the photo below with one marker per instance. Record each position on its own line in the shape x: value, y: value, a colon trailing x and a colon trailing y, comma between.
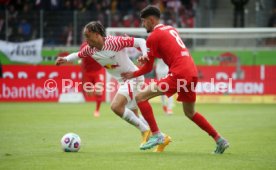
x: 143, y: 120
x: 163, y: 99
x: 170, y: 102
x: 98, y: 102
x: 147, y: 113
x: 205, y: 125
x: 131, y: 118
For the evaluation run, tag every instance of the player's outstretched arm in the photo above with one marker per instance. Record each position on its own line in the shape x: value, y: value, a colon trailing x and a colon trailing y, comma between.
x: 60, y: 61
x: 142, y: 60
x: 63, y: 60
x: 141, y: 44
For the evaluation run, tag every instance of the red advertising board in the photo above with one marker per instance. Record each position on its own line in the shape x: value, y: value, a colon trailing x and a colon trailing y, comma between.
x: 39, y: 83
x: 27, y: 83
x: 246, y: 80
x: 41, y: 72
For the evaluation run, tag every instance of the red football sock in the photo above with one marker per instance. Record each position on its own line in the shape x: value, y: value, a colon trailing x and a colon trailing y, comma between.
x: 98, y: 102
x: 205, y: 125
x: 147, y: 113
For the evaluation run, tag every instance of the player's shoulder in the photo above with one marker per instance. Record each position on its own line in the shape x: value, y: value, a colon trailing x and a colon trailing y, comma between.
x: 117, y: 38
x: 86, y: 50
x: 163, y: 29
x: 110, y: 37
x: 83, y: 45
x: 154, y: 35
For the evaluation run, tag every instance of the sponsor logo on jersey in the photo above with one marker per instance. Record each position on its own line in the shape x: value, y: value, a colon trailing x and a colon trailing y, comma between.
x: 111, y: 66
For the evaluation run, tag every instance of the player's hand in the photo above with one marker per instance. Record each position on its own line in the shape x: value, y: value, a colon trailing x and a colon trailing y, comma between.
x: 143, y: 59
x: 60, y: 61
x: 127, y: 75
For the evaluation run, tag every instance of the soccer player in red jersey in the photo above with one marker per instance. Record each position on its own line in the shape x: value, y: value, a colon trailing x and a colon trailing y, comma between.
x: 93, y: 73
x: 164, y: 42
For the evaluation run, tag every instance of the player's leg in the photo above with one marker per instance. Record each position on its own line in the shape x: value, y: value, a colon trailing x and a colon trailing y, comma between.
x: 164, y: 104
x: 143, y: 119
x: 157, y: 138
x: 202, y: 122
x: 145, y: 134
x: 97, y: 82
x: 188, y: 97
x: 169, y: 105
x: 162, y: 72
x: 136, y: 112
x: 142, y: 98
x: 87, y: 81
x: 99, y: 89
x: 118, y: 106
x: 99, y: 99
x: 132, y: 105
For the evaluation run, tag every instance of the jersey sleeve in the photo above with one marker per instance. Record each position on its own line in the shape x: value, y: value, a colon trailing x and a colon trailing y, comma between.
x: 123, y: 42
x: 85, y: 51
x: 147, y: 67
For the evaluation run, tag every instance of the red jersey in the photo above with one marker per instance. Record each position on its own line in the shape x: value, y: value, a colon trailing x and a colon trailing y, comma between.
x: 88, y: 64
x: 164, y: 42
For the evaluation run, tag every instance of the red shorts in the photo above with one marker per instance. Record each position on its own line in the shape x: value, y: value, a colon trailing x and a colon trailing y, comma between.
x: 184, y: 87
x: 94, y: 79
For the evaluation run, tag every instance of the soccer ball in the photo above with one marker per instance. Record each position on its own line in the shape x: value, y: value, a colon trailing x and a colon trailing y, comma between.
x: 70, y: 142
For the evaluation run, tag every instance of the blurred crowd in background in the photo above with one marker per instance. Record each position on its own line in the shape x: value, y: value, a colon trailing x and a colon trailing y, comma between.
x: 24, y: 15
x: 57, y: 21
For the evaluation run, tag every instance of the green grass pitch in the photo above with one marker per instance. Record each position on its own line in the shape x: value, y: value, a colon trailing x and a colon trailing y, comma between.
x: 31, y: 133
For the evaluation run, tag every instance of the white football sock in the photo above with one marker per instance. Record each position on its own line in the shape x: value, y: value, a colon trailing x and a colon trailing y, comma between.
x: 163, y: 99
x: 170, y: 102
x: 143, y: 120
x: 131, y: 118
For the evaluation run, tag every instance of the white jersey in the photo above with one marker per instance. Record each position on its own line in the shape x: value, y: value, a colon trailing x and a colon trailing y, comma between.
x: 113, y: 55
x: 161, y: 69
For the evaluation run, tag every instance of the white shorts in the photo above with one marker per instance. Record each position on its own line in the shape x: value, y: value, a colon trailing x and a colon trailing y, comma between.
x: 129, y: 90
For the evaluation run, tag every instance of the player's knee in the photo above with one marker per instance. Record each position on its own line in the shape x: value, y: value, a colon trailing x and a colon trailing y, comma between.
x: 139, y: 98
x: 114, y: 108
x: 117, y: 109
x: 189, y: 113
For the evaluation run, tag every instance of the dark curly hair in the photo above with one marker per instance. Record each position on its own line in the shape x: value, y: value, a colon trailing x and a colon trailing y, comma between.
x: 150, y: 10
x: 97, y: 27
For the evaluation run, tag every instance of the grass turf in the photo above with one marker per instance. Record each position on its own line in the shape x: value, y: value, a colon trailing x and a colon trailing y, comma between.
x: 31, y: 133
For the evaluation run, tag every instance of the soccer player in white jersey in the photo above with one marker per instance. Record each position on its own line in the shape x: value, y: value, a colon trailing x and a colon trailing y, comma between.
x: 161, y: 71
x: 109, y: 52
